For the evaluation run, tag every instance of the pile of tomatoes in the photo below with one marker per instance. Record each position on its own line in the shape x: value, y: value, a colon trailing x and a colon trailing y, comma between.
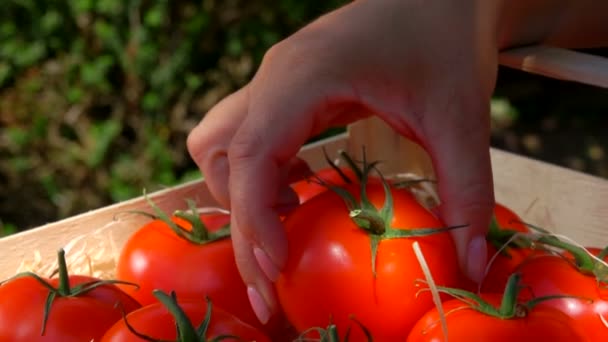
x: 352, y: 274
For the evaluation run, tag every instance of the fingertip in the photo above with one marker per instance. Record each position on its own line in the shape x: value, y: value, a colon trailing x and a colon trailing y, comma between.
x: 470, y: 242
x: 258, y: 304
x: 253, y: 265
x: 476, y: 258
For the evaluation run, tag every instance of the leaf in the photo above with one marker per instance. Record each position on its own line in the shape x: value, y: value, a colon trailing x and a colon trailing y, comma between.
x: 102, y: 135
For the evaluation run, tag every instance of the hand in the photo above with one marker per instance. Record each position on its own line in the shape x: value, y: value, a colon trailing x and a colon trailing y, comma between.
x: 426, y: 68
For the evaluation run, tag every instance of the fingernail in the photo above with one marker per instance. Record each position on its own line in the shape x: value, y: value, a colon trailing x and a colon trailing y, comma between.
x: 477, y: 258
x: 267, y: 266
x: 259, y: 306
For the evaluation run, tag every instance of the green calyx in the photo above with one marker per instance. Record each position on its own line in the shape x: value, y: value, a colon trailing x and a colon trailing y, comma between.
x: 63, y: 288
x: 377, y: 222
x: 502, y: 238
x: 185, y: 330
x: 510, y: 307
x: 583, y: 260
x: 199, y: 233
x: 330, y: 334
x: 542, y: 239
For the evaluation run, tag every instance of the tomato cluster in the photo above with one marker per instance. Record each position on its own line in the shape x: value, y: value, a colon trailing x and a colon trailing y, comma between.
x: 354, y: 273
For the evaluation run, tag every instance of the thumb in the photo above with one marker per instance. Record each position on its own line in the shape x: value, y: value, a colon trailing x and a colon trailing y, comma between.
x: 460, y: 151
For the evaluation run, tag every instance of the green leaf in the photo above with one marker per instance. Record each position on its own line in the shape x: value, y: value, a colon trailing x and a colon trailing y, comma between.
x: 7, y: 229
x: 18, y: 136
x: 81, y: 6
x: 102, y: 133
x: 94, y: 73
x: 29, y: 54
x: 151, y: 102
x: 110, y: 7
x: 50, y: 21
x: 155, y: 17
x: 74, y: 94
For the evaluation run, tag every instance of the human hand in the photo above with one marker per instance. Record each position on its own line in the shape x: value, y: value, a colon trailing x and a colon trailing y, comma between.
x: 426, y: 68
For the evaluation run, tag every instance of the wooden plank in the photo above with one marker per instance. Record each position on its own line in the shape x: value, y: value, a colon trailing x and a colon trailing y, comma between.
x: 558, y: 63
x: 559, y: 199
x: 381, y: 142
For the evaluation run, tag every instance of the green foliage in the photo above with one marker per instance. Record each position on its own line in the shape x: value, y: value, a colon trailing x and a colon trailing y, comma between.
x: 97, y: 96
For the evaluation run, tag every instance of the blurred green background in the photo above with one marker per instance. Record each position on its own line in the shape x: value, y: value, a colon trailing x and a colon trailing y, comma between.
x: 97, y: 97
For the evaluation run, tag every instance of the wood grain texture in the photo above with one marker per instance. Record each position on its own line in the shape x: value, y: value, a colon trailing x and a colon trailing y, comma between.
x: 558, y: 63
x: 558, y: 199
x: 380, y: 142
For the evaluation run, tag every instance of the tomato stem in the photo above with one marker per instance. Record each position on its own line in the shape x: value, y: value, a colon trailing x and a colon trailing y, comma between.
x: 351, y: 164
x: 199, y: 234
x: 64, y: 279
x: 338, y: 170
x: 509, y: 308
x: 584, y: 262
x: 499, y: 236
x: 330, y: 334
x: 603, y: 253
x: 369, y: 220
x: 508, y: 305
x: 377, y: 222
x: 186, y: 331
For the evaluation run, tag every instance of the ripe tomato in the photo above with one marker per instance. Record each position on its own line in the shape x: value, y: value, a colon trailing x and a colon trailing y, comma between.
x: 509, y: 258
x: 554, y: 275
x: 467, y: 324
x: 310, y: 187
x: 155, y: 257
x: 328, y: 274
x: 72, y: 316
x: 157, y: 322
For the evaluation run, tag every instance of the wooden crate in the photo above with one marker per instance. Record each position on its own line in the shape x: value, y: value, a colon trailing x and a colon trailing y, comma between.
x: 558, y: 199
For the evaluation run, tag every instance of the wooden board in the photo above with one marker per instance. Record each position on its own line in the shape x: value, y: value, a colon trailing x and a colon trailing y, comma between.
x: 559, y: 64
x: 555, y: 198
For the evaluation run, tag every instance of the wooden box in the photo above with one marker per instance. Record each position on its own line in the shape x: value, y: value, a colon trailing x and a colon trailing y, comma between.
x: 558, y: 199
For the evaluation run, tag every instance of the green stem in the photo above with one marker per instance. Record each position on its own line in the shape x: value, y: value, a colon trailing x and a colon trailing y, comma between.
x: 376, y: 222
x: 331, y: 335
x: 336, y: 168
x: 369, y: 220
x: 509, y: 308
x: 64, y: 280
x: 603, y: 253
x: 582, y: 259
x: 187, y: 332
x: 199, y: 234
x: 508, y: 305
x: 351, y: 164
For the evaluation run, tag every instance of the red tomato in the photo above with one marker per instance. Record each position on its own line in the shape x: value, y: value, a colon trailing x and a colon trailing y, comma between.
x: 467, y: 324
x: 328, y: 274
x: 508, y: 259
x: 83, y: 317
x: 155, y: 257
x: 553, y: 275
x: 157, y: 322
x: 310, y: 187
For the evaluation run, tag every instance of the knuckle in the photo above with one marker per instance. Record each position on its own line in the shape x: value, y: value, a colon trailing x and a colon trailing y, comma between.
x: 244, y: 147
